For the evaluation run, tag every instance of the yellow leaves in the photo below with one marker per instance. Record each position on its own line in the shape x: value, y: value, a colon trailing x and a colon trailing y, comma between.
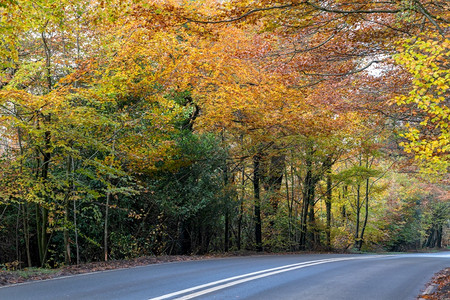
x: 26, y: 74
x: 18, y: 96
x: 401, y: 100
x: 426, y: 60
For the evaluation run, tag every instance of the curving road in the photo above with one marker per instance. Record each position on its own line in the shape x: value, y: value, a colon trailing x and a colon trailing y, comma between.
x: 330, y: 276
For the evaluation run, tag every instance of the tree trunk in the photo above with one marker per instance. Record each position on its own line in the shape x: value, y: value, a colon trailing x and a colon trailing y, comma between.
x: 75, y: 225
x: 313, y: 234
x: 105, y: 233
x: 256, y: 189
x: 227, y: 211
x: 272, y: 176
x: 227, y: 231
x: 41, y: 220
x: 439, y: 236
x: 304, y: 212
x: 309, y: 186
x: 19, y: 210
x: 185, y: 239
x: 328, y: 208
x: 108, y: 200
x: 42, y: 211
x: 241, y: 210
x: 26, y: 231
x: 358, y: 212
x: 289, y: 205
x: 366, y: 215
x: 67, y: 255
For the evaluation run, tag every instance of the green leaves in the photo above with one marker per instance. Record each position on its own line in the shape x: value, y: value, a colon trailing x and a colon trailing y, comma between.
x: 357, y: 174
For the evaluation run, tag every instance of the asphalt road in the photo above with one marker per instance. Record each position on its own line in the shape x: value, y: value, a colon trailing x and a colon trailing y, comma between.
x: 380, y: 277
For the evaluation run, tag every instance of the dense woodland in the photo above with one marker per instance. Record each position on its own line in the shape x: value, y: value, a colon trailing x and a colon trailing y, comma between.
x: 140, y: 127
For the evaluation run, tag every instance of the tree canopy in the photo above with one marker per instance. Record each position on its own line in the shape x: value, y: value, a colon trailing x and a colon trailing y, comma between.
x: 140, y: 127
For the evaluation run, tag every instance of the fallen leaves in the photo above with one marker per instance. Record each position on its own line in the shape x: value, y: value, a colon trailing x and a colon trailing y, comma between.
x: 439, y: 287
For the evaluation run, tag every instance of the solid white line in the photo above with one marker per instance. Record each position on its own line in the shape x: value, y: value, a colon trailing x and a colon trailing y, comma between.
x: 237, y: 279
x: 216, y: 288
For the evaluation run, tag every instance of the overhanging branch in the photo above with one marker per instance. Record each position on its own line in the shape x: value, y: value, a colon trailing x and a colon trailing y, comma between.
x: 356, y: 11
x: 343, y: 74
x: 248, y: 13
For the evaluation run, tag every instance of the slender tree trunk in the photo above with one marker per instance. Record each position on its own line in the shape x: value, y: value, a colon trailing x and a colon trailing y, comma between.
x: 288, y: 202
x: 67, y: 254
x: 77, y: 247
x: 42, y: 211
x: 227, y: 230
x: 303, y: 220
x: 312, y: 234
x: 75, y: 224
x: 108, y: 200
x: 67, y: 251
x: 241, y: 210
x: 41, y: 228
x: 328, y: 208
x: 308, y: 191
x: 239, y: 236
x: 366, y: 215
x: 227, y: 211
x: 17, y: 232
x: 294, y: 214
x: 256, y: 189
x: 344, y: 208
x: 39, y: 232
x: 358, y: 212
x: 105, y: 233
x: 67, y: 259
x: 43, y: 237
x: 26, y: 232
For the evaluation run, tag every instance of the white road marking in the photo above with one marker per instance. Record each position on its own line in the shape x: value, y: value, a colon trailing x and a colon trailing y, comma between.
x: 248, y: 277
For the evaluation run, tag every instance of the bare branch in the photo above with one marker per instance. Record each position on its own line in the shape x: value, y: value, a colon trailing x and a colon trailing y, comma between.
x: 250, y: 12
x: 427, y: 15
x: 356, y: 11
x: 307, y: 85
x: 317, y: 46
x: 344, y: 74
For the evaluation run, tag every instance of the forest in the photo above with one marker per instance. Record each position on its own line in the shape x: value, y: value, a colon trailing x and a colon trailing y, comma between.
x: 136, y: 128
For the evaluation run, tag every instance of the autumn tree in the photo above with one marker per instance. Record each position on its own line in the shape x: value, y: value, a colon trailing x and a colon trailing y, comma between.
x: 426, y: 60
x: 135, y: 127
